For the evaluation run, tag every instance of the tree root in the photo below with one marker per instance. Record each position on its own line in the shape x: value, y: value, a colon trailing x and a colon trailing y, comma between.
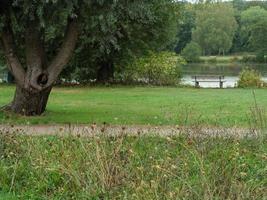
x: 6, y: 108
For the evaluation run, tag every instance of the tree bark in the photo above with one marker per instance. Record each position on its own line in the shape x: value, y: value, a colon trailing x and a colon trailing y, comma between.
x: 29, y: 104
x: 105, y: 73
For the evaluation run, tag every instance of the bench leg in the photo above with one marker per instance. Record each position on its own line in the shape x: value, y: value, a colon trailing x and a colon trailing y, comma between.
x: 221, y: 84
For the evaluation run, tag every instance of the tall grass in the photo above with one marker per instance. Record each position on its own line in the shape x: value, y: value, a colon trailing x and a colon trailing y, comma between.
x: 136, y: 167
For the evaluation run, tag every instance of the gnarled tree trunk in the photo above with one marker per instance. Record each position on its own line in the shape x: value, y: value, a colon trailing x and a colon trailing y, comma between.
x: 30, y: 104
x: 35, y: 80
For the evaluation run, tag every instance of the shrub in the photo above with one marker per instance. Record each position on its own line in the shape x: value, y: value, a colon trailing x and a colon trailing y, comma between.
x: 156, y: 69
x: 260, y: 58
x: 192, y: 52
x: 249, y: 78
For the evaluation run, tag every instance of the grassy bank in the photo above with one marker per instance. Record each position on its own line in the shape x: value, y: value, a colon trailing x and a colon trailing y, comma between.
x: 221, y: 59
x: 144, y: 105
x: 232, y: 58
x: 132, y: 168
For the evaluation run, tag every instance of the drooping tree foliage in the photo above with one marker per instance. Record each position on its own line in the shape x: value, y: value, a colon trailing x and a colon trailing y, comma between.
x: 113, y: 36
x: 39, y: 38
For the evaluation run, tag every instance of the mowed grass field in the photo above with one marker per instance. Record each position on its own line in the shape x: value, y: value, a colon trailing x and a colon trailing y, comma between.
x: 145, y: 105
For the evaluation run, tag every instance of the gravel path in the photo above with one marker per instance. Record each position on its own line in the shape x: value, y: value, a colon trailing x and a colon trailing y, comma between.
x: 93, y: 130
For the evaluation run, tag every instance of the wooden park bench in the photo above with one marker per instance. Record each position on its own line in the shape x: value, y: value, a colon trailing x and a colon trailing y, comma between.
x: 208, y: 79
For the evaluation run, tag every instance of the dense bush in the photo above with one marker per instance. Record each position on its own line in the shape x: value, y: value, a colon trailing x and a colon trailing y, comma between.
x: 249, y: 78
x: 192, y: 52
x: 156, y: 69
x: 260, y: 58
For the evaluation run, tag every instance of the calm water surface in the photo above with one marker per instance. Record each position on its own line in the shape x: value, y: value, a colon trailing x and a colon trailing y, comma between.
x: 229, y: 71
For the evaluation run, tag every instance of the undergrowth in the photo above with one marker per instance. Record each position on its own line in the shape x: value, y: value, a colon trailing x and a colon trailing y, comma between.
x: 132, y: 167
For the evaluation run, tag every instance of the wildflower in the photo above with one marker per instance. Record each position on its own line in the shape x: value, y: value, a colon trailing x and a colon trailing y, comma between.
x: 244, y: 165
x: 157, y: 167
x: 264, y: 157
x: 190, y: 142
x: 168, y: 139
x: 173, y: 166
x: 243, y: 174
x: 93, y: 126
x: 143, y: 183
x: 153, y: 183
x: 171, y: 194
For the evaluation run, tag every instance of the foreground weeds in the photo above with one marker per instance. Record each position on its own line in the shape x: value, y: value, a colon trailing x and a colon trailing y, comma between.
x: 124, y: 167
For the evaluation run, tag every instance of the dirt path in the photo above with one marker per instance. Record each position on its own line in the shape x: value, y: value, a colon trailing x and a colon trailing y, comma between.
x: 92, y: 130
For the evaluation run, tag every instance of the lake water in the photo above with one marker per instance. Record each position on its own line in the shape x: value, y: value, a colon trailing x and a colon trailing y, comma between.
x: 229, y: 71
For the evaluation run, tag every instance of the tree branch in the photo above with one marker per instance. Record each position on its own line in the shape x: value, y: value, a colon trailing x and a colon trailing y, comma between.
x: 14, y: 65
x: 65, y: 52
x: 35, y: 54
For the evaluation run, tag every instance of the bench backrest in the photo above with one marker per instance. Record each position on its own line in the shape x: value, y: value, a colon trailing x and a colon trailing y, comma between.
x: 208, y: 77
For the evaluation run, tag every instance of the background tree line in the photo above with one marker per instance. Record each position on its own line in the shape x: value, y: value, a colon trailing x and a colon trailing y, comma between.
x: 219, y: 28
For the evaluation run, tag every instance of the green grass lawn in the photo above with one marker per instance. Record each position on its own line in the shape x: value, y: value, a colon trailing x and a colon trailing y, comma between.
x: 233, y: 58
x: 144, y: 105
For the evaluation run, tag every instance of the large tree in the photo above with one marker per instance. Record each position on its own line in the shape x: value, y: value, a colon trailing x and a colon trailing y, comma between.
x: 39, y: 37
x: 215, y: 27
x: 28, y: 28
x: 253, y: 28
